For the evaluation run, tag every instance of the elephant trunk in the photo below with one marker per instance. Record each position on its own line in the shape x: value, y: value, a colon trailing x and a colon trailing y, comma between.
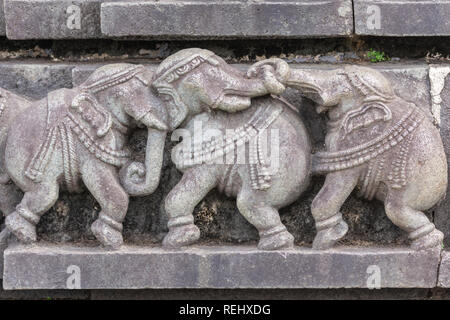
x: 246, y: 88
x: 153, y: 166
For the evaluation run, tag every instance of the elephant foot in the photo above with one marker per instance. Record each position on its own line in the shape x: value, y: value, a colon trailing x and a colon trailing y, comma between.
x: 23, y: 229
x: 431, y: 240
x: 326, y: 238
x: 107, y: 235
x: 181, y: 236
x: 275, y: 239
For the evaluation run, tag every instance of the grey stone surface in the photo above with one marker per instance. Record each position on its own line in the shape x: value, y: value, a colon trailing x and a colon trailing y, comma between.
x: 3, y: 247
x: 2, y: 19
x: 50, y: 267
x: 52, y: 19
x: 440, y: 91
x: 34, y: 80
x: 238, y: 19
x: 353, y: 125
x: 81, y: 72
x: 444, y: 270
x: 402, y: 18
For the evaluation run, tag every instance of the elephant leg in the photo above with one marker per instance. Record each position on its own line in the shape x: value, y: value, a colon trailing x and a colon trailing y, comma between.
x: 327, y: 204
x: 102, y: 181
x: 181, y: 201
x: 22, y: 222
x: 9, y: 197
x: 266, y: 219
x: 420, y: 229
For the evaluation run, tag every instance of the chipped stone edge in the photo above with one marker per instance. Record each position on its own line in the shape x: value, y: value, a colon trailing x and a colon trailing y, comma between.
x: 202, y: 251
x: 437, y: 75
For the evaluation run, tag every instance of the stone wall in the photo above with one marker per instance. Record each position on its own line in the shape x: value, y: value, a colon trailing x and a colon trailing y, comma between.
x: 40, y: 57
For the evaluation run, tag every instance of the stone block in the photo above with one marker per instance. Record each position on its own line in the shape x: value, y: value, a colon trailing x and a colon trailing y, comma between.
x: 34, y: 80
x: 440, y: 94
x: 444, y: 270
x: 2, y: 19
x: 49, y: 266
x: 82, y: 71
x: 402, y: 17
x: 52, y: 19
x: 227, y: 19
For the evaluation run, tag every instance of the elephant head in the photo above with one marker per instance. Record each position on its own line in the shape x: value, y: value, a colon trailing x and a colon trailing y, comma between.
x: 377, y: 142
x: 336, y: 91
x: 192, y: 81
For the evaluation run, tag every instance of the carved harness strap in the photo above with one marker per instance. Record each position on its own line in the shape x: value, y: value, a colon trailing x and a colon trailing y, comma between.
x: 399, y: 136
x: 62, y: 122
x: 213, y: 152
x: 58, y: 133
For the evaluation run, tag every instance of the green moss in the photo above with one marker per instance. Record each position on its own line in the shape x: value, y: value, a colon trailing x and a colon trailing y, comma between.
x: 376, y: 56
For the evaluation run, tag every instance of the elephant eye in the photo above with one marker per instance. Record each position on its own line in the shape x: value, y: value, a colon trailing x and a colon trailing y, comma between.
x: 165, y: 98
x: 213, y: 71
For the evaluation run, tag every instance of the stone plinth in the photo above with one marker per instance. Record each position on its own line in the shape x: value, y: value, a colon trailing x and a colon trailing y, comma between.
x: 444, y: 270
x: 440, y: 101
x: 236, y: 19
x: 52, y: 19
x: 2, y: 19
x: 402, y: 17
x: 46, y: 266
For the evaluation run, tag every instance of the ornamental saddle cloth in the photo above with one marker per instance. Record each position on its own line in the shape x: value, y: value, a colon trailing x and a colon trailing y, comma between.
x: 65, y: 122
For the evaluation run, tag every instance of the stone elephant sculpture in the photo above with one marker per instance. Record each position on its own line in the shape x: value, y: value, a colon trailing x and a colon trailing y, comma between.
x: 385, y: 146
x: 200, y: 89
x: 11, y: 105
x: 80, y: 135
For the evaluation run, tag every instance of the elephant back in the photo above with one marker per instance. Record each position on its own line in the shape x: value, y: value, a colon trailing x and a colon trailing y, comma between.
x: 367, y: 132
x: 11, y: 105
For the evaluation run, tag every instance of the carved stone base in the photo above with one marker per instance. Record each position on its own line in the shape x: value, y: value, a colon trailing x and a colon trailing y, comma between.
x: 444, y: 270
x: 47, y: 266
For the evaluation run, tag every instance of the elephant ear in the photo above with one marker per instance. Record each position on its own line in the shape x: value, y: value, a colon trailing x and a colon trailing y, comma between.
x: 147, y: 107
x: 154, y: 113
x: 365, y: 117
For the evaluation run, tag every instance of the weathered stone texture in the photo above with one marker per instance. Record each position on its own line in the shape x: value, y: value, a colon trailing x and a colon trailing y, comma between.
x: 52, y: 19
x: 402, y: 18
x: 46, y: 266
x: 239, y: 19
x: 34, y: 80
x: 440, y: 89
x: 2, y: 19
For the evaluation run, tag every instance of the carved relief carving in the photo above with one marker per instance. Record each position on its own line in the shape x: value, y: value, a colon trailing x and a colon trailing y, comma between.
x: 385, y: 146
x: 237, y: 136
x: 214, y: 95
x: 80, y: 135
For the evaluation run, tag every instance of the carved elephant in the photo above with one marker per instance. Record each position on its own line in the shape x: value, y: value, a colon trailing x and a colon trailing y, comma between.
x: 200, y: 89
x: 80, y: 135
x: 376, y: 141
